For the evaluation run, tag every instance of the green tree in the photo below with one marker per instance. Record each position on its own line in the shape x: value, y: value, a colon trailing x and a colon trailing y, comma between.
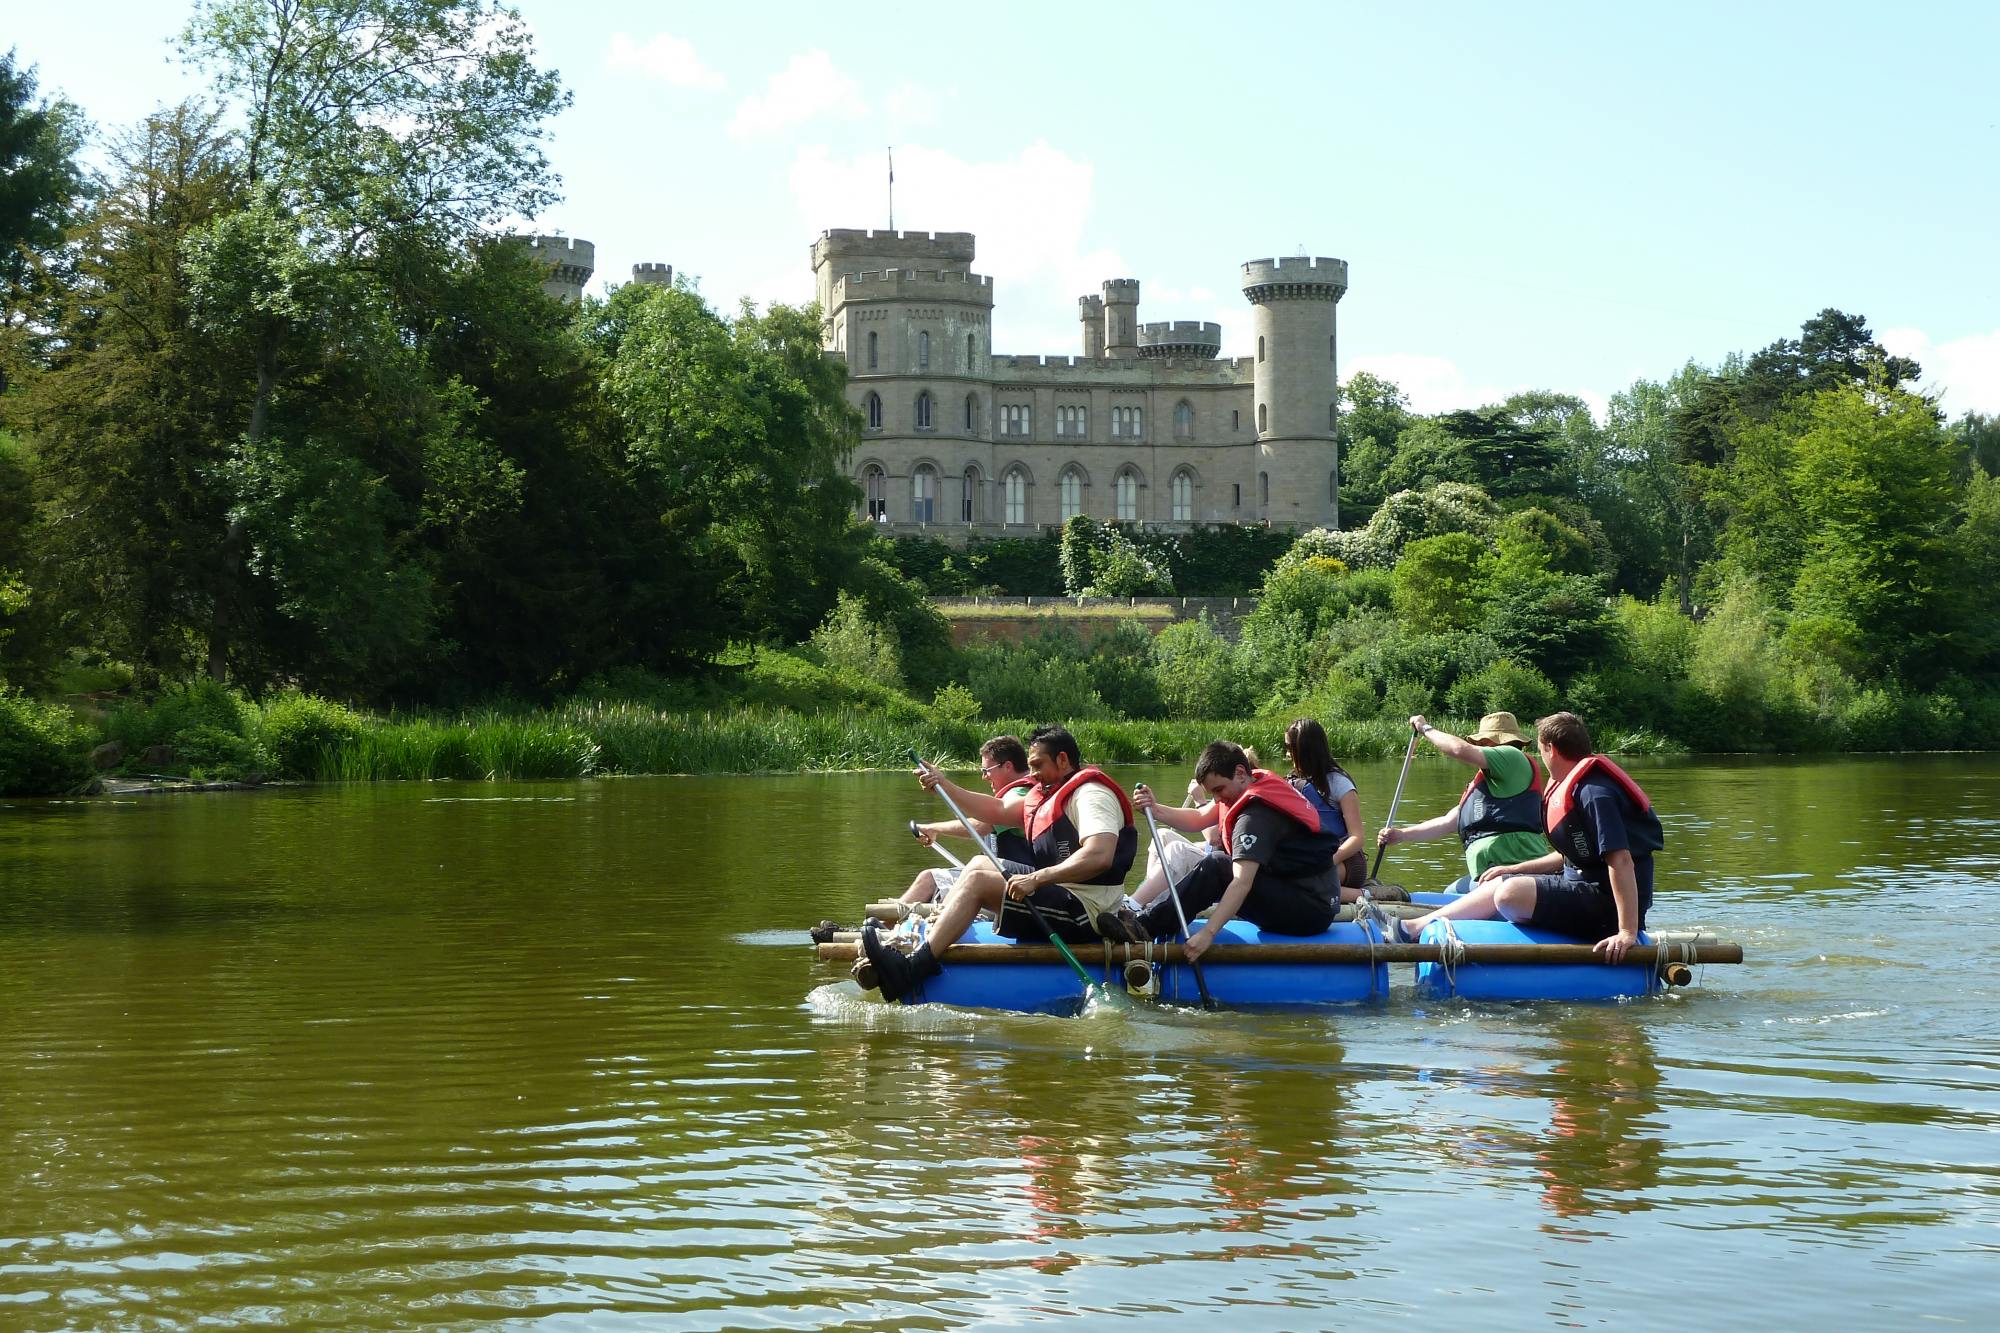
x: 1871, y: 474
x: 41, y: 187
x: 1650, y: 482
x: 1373, y: 416
x: 1437, y: 584
x: 1487, y: 448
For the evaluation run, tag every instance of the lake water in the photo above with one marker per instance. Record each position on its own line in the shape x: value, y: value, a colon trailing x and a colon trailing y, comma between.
x: 557, y: 1055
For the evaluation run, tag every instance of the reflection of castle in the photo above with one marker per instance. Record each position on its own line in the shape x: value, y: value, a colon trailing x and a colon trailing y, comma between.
x: 1148, y: 426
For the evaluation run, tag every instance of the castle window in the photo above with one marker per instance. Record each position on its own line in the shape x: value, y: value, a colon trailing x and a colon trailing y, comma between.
x: 1014, y: 489
x: 1235, y: 418
x: 1125, y: 496
x: 1128, y: 422
x: 968, y: 496
x: 872, y: 360
x: 1330, y: 355
x: 923, y: 494
x: 1333, y: 416
x: 923, y: 351
x: 1263, y: 488
x: 1017, y: 419
x: 1073, y: 421
x: 972, y: 414
x: 1260, y: 347
x: 872, y: 404
x: 971, y: 350
x: 875, y: 484
x: 1071, y: 487
x: 1263, y: 417
x: 924, y: 405
x: 1180, y: 492
x: 1183, y: 421
x: 1236, y: 495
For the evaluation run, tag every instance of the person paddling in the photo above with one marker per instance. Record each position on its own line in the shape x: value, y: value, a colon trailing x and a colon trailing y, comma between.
x: 1279, y: 872
x: 1499, y: 816
x: 1003, y: 763
x: 1082, y: 842
x: 1598, y: 884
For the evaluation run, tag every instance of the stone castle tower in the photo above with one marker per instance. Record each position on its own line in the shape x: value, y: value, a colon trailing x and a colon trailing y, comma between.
x: 571, y: 263
x: 1297, y: 386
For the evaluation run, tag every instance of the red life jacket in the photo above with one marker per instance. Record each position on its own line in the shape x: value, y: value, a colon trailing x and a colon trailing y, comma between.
x: 1011, y: 843
x: 1305, y: 852
x: 1482, y: 814
x: 1573, y: 839
x: 1053, y: 837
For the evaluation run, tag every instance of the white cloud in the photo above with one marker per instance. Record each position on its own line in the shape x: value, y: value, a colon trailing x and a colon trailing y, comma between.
x: 809, y: 87
x: 1030, y: 212
x: 668, y: 58
x: 909, y: 105
x: 1964, y: 372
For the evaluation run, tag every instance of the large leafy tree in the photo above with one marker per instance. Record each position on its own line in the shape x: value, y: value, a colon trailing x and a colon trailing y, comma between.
x: 1373, y: 415
x: 375, y: 138
x: 41, y: 187
x: 1489, y: 448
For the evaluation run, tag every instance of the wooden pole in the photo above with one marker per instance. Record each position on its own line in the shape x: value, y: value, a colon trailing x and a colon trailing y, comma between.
x: 1639, y: 955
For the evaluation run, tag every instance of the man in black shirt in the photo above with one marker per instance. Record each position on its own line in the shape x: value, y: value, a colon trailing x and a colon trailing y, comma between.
x: 1279, y: 873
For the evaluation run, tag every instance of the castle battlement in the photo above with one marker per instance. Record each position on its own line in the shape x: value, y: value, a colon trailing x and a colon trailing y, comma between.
x: 943, y: 247
x: 913, y: 284
x: 562, y: 250
x: 1095, y: 303
x: 653, y: 275
x: 1294, y: 277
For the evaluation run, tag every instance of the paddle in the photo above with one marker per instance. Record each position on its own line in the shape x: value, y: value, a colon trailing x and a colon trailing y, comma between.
x: 1395, y: 800
x: 994, y: 856
x: 937, y: 847
x: 1174, y: 892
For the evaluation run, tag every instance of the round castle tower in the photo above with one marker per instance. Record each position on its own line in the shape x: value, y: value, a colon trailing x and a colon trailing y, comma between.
x: 1121, y: 318
x: 570, y: 263
x: 1181, y: 337
x: 1296, y: 387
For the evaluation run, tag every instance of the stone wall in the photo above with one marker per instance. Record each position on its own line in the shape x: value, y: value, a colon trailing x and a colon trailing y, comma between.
x: 1015, y: 618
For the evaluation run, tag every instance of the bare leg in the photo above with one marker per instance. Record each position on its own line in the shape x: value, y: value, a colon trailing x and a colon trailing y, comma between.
x: 1512, y: 898
x: 922, y: 889
x: 981, y: 886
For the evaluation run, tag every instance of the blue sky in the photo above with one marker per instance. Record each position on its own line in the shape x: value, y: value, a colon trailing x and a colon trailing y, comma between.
x: 1529, y: 196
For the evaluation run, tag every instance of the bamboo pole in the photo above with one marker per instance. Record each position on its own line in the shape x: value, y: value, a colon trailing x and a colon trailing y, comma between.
x: 1639, y: 955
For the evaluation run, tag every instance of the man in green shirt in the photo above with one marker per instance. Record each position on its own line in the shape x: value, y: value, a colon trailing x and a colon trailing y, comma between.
x: 1499, y: 818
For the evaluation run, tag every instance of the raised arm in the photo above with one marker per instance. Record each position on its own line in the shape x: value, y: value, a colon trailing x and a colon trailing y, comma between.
x: 1448, y: 745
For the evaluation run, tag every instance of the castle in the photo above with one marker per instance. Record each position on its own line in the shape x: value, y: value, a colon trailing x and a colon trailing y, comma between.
x: 1149, y: 425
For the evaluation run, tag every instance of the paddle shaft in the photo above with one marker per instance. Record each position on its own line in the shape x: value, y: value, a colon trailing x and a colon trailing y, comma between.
x: 1396, y: 800
x: 1174, y: 892
x: 993, y: 855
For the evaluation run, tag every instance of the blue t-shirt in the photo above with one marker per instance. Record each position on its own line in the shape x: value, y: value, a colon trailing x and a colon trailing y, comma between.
x: 1601, y: 805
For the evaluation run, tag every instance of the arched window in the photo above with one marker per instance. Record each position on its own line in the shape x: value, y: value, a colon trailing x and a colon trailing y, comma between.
x: 1263, y: 488
x: 924, y: 403
x: 1333, y: 416
x: 1017, y: 419
x: 1014, y: 487
x: 875, y: 484
x: 1070, y: 485
x: 872, y: 359
x: 971, y: 350
x: 1183, y: 420
x: 923, y: 494
x: 923, y: 351
x: 1125, y: 496
x: 1263, y: 417
x: 969, y: 490
x: 1180, y: 491
x: 1331, y: 355
x: 1128, y: 422
x: 1260, y: 347
x: 972, y: 414
x: 872, y: 404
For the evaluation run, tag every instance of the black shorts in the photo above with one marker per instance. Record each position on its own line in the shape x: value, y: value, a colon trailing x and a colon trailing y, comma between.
x: 1576, y: 908
x: 1064, y: 911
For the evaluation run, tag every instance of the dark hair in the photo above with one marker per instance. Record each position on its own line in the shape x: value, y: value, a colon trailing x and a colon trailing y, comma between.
x: 1565, y: 734
x: 1006, y: 750
x: 1219, y: 759
x: 1055, y: 741
x: 1312, y: 755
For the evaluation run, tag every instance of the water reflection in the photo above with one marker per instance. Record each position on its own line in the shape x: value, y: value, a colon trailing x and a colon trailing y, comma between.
x: 1603, y: 1148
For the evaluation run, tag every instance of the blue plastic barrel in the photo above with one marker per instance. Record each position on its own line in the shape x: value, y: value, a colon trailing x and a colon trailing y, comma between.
x: 1527, y: 981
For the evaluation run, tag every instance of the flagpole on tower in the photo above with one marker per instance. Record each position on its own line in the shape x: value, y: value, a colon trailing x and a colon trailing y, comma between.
x: 892, y: 189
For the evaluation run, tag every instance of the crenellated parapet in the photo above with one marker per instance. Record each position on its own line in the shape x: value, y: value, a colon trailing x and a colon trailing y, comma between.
x: 940, y: 249
x: 570, y: 263
x: 912, y: 285
x: 1294, y: 278
x: 1181, y: 337
x: 653, y: 275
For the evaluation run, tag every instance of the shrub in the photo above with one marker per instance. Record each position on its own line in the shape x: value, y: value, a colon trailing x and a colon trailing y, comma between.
x: 1404, y: 517
x: 176, y: 710
x: 1121, y: 671
x: 1559, y: 622
x: 916, y: 628
x: 849, y: 641
x: 1659, y: 639
x: 1436, y: 585
x: 1499, y: 686
x: 41, y: 747
x: 215, y: 754
x: 299, y: 731
x: 954, y: 703
x: 1028, y: 681
x: 1197, y: 672
x: 1624, y: 699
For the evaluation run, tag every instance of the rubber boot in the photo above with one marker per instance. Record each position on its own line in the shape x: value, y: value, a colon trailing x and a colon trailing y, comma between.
x: 896, y: 975
x: 824, y: 932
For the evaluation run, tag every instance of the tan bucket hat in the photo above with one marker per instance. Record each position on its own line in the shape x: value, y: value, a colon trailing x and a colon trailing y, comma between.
x: 1497, y: 729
